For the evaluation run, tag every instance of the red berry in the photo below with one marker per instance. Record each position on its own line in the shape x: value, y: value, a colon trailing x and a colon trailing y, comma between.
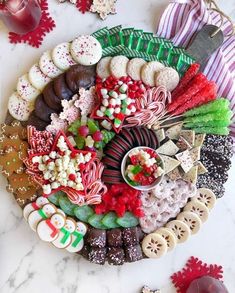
x: 72, y: 177
x: 83, y: 130
x: 97, y: 136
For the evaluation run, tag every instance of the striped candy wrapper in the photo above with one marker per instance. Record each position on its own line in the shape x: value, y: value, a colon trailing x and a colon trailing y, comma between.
x: 181, y: 20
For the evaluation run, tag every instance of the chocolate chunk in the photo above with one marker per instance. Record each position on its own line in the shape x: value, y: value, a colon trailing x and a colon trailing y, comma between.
x: 206, y: 284
x: 130, y: 236
x: 61, y: 89
x: 96, y: 237
x: 97, y: 255
x: 51, y: 98
x: 133, y: 253
x: 114, y: 238
x: 116, y: 256
x: 80, y: 76
x: 42, y: 111
x: 36, y: 122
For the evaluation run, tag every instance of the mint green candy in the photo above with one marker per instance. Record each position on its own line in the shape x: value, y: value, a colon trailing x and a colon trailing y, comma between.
x: 74, y: 127
x: 136, y: 169
x: 66, y: 205
x: 96, y: 221
x: 128, y: 220
x: 110, y: 220
x: 83, y: 213
x: 54, y: 198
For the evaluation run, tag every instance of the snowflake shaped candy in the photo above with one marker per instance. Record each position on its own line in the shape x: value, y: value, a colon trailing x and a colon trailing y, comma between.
x: 103, y: 7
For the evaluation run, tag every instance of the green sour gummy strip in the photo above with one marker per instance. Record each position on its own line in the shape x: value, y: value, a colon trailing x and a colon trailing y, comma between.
x: 128, y: 220
x: 96, y: 221
x: 83, y: 213
x: 214, y: 106
x: 66, y: 205
x: 54, y: 198
x: 110, y: 220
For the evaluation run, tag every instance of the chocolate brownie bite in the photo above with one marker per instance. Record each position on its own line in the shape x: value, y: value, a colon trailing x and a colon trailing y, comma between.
x: 97, y: 255
x: 96, y: 238
x: 85, y: 251
x: 114, y: 238
x: 115, y: 256
x: 133, y: 253
x: 130, y: 236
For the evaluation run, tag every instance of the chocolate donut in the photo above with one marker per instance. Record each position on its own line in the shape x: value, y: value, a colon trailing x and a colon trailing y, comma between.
x: 206, y: 284
x: 61, y: 89
x: 37, y: 122
x: 80, y: 76
x: 42, y: 111
x: 51, y: 98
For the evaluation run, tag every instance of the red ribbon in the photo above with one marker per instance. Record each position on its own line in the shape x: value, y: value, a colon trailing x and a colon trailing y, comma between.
x: 35, y: 206
x: 52, y: 227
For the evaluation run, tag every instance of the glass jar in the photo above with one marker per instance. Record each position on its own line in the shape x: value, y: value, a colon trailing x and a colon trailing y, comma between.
x: 20, y: 16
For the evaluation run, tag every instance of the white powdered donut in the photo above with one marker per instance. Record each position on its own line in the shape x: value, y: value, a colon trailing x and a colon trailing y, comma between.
x: 167, y: 77
x: 18, y: 108
x: 47, y: 65
x: 37, y: 78
x: 134, y: 67
x: 149, y: 71
x: 103, y: 67
x: 25, y: 89
x: 86, y: 50
x: 62, y: 57
x: 118, y: 66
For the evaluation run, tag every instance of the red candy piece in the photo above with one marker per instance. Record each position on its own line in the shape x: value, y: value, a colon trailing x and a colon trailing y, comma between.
x: 83, y: 130
x: 72, y: 177
x: 120, y: 198
x: 97, y: 136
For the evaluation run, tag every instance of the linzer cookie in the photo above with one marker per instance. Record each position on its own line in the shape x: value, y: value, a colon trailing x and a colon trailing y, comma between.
x: 115, y: 146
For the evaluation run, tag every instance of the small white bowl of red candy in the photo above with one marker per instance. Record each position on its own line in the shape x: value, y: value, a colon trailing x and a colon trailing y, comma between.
x: 142, y: 168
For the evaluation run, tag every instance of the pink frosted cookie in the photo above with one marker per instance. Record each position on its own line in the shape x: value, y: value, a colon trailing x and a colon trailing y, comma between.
x: 18, y: 108
x: 37, y: 78
x: 62, y: 57
x: 25, y: 89
x: 47, y: 65
x: 86, y: 50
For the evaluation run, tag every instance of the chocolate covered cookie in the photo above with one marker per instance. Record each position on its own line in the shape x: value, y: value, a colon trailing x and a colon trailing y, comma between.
x: 61, y: 89
x: 51, y: 98
x: 42, y: 110
x: 36, y: 121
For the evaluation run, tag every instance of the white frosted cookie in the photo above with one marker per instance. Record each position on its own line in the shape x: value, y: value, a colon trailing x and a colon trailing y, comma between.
x: 47, y: 65
x: 167, y: 77
x: 61, y: 56
x: 118, y: 66
x: 33, y: 206
x: 37, y: 78
x: 77, y: 238
x: 149, y: 71
x: 64, y: 238
x: 18, y: 108
x: 25, y: 89
x: 134, y: 67
x: 103, y: 67
x: 86, y: 50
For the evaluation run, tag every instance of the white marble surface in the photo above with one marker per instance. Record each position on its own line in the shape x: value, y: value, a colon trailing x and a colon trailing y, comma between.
x: 28, y: 265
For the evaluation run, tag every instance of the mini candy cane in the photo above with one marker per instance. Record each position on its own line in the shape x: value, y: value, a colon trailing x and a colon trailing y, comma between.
x: 150, y: 106
x: 74, y: 196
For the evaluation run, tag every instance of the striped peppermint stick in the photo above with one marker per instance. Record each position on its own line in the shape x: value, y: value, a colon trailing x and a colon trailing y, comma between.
x: 181, y: 20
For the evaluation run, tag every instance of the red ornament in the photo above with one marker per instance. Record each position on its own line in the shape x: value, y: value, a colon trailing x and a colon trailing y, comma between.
x: 83, y: 5
x: 35, y: 37
x: 194, y: 269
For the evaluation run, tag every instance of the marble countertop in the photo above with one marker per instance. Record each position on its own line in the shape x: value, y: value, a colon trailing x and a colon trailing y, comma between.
x: 29, y: 265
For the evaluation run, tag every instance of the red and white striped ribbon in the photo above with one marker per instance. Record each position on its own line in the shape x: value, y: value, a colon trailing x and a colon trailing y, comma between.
x: 181, y: 20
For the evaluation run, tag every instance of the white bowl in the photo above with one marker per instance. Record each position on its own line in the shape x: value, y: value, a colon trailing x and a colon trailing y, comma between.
x: 123, y: 168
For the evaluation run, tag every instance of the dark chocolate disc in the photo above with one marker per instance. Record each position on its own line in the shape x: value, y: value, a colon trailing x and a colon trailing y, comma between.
x: 36, y: 122
x: 42, y: 111
x: 61, y: 89
x: 51, y: 98
x: 206, y: 284
x: 80, y: 76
